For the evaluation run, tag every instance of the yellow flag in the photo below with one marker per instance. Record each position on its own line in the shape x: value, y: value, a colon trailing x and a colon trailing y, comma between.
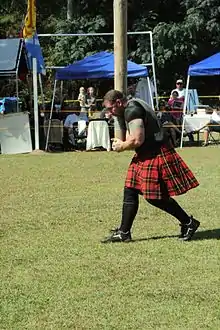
x: 30, y: 20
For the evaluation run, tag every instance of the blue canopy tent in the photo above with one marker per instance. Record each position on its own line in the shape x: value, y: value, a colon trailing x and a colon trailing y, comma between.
x: 97, y: 66
x: 100, y: 65
x: 207, y: 67
x: 13, y: 63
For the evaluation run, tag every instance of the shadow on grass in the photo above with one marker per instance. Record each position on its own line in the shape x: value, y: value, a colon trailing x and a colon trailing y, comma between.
x: 200, y: 235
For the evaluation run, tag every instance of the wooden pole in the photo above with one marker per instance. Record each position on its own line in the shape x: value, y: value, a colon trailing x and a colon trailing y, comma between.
x: 120, y: 54
x: 120, y: 44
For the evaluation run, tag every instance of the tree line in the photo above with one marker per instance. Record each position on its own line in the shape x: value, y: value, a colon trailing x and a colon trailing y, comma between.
x: 184, y: 32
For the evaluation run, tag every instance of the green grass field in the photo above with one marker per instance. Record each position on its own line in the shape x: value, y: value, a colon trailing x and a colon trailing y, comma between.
x: 55, y: 273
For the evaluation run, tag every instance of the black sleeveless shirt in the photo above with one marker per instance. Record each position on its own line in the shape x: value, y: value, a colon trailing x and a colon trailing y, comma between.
x: 154, y: 136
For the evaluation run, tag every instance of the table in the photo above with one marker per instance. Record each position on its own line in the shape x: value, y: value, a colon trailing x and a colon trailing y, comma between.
x: 196, y: 122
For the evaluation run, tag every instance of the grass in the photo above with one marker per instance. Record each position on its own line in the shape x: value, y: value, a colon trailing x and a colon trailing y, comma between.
x: 55, y: 274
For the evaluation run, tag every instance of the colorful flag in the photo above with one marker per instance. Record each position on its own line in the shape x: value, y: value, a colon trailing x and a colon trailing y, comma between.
x: 31, y: 39
x: 30, y: 20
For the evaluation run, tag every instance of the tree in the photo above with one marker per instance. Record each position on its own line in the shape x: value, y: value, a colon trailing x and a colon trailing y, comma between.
x: 184, y: 31
x: 69, y: 10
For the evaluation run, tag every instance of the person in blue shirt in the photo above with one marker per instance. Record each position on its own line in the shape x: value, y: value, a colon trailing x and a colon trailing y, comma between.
x: 69, y: 124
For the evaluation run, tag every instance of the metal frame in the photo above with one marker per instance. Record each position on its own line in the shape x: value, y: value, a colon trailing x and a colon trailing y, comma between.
x: 112, y: 34
x: 50, y: 118
x: 16, y: 74
x: 101, y: 34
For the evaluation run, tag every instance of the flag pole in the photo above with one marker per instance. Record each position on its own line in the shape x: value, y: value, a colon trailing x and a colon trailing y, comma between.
x: 36, y: 114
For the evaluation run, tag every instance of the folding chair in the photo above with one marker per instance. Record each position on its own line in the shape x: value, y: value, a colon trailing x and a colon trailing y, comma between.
x: 56, y: 133
x: 213, y: 138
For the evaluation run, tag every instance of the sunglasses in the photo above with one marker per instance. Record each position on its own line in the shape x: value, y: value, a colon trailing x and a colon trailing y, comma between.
x: 179, y: 83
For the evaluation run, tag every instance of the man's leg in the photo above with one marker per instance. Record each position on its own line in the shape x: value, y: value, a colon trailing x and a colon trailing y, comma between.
x: 72, y: 139
x: 129, y: 211
x: 206, y: 136
x: 188, y: 224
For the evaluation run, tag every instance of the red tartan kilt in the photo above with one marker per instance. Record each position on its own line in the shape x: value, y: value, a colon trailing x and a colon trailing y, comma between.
x: 160, y: 176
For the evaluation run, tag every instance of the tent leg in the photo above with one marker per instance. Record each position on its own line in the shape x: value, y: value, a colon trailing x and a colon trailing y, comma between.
x: 61, y: 91
x: 42, y: 92
x: 153, y: 69
x: 51, y: 112
x: 184, y: 110
x: 150, y: 93
x: 17, y: 92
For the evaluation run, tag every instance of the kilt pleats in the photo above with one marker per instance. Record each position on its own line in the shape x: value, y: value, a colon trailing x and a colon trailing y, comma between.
x: 160, y: 176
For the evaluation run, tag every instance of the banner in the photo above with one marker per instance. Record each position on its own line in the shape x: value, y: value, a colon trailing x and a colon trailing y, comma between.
x: 34, y: 50
x: 30, y: 20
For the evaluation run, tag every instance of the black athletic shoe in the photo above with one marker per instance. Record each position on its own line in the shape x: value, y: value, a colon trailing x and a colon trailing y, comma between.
x: 187, y: 231
x: 117, y: 236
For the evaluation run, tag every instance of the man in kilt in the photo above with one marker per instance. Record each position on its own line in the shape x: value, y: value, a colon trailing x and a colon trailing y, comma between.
x: 156, y: 171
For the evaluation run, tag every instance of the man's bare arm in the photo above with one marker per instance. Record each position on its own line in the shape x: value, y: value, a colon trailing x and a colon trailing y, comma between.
x: 119, y: 129
x: 135, y: 136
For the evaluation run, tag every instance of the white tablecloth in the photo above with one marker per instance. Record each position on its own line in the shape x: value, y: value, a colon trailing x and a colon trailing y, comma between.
x: 195, y: 122
x: 98, y: 135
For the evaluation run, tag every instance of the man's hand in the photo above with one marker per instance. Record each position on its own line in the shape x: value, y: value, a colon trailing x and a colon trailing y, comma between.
x: 117, y: 145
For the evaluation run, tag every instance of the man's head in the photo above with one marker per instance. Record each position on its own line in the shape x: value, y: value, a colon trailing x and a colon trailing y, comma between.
x: 179, y: 83
x: 115, y: 102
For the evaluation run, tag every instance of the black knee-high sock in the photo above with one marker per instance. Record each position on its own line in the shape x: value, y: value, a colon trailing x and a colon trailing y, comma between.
x: 172, y: 207
x: 130, y: 208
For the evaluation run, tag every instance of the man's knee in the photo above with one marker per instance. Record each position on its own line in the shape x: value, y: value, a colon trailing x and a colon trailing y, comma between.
x: 159, y: 202
x: 130, y: 195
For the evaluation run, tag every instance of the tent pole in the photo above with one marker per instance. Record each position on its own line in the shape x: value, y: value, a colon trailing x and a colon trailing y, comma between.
x: 153, y: 68
x: 61, y: 91
x: 51, y: 112
x: 150, y: 93
x: 17, y: 92
x: 29, y: 84
x: 41, y: 90
x: 184, y: 109
x: 19, y: 58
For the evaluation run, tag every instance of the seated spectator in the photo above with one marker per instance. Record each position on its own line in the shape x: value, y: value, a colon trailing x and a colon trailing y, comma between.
x: 212, y: 126
x: 176, y: 104
x: 69, y: 126
x: 83, y: 116
x: 169, y: 124
x: 105, y: 114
